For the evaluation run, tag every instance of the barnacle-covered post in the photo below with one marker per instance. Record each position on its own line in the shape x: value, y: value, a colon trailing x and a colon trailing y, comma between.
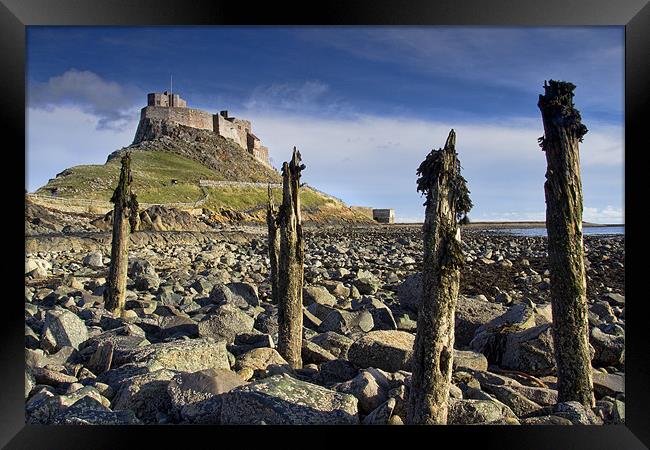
x: 125, y: 216
x: 563, y: 130
x: 274, y: 245
x: 290, y: 264
x: 447, y: 200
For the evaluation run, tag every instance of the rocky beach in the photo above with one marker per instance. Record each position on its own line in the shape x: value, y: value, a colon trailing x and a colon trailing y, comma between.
x: 197, y: 341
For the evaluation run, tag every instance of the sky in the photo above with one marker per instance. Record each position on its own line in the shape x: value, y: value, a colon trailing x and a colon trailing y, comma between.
x: 364, y: 105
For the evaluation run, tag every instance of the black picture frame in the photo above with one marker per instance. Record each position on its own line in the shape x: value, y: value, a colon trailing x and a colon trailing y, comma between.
x: 15, y: 15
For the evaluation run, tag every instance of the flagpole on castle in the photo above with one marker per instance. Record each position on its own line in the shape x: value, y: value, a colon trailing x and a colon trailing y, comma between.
x: 171, y: 90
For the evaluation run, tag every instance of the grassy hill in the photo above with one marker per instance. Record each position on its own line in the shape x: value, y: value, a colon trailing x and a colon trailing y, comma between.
x: 184, y: 160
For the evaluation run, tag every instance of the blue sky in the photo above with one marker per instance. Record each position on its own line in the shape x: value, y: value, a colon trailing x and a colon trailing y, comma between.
x: 363, y: 104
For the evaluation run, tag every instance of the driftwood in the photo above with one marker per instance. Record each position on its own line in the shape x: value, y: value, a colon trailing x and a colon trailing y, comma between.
x: 125, y: 216
x: 287, y: 248
x: 447, y: 200
x: 563, y: 130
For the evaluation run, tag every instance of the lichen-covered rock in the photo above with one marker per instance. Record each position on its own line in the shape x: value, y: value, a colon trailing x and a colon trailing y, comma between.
x: 610, y: 349
x: 259, y: 360
x: 382, y: 414
x: 283, y: 400
x: 366, y: 282
x: 517, y: 402
x: 469, y: 359
x: 477, y: 412
x: 315, y: 354
x: 227, y: 322
x: 608, y: 384
x: 146, y: 395
x: 195, y: 397
x: 470, y: 315
x: 62, y: 328
x: 370, y: 390
x: 546, y: 420
x: 89, y: 411
x: 576, y: 413
x: 530, y: 351
x: 347, y: 322
x: 389, y: 350
x: 241, y: 295
x: 317, y: 294
x: 44, y: 406
x: 335, y: 343
x: 189, y: 355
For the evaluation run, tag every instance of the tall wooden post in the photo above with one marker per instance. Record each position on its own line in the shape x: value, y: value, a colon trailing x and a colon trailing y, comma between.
x: 563, y: 130
x: 274, y: 245
x: 290, y: 264
x: 125, y: 215
x: 447, y: 201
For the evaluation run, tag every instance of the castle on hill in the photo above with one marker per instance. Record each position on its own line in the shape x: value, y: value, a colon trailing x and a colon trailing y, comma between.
x: 171, y: 107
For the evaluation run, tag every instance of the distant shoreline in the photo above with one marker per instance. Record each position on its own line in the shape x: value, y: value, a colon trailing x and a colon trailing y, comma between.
x: 501, y: 225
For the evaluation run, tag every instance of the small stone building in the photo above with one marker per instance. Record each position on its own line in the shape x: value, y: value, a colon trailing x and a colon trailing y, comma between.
x: 384, y: 215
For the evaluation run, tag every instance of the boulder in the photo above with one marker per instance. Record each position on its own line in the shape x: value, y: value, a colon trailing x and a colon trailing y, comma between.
x: 37, y: 267
x: 576, y: 413
x: 335, y: 343
x: 370, y: 390
x: 227, y: 322
x: 389, y: 350
x: 517, y: 402
x: 146, y: 395
x: 336, y: 371
x: 464, y: 359
x: 283, y: 400
x: 530, y: 351
x: 89, y: 411
x: 477, y: 412
x: 609, y: 349
x: 195, y: 397
x: 259, y: 360
x: 347, y: 322
x: 470, y: 315
x: 184, y: 355
x: 62, y: 328
x: 314, y: 354
x: 317, y: 294
x: 382, y: 414
x: 608, y: 384
x: 94, y: 260
x: 44, y: 406
x: 366, y: 283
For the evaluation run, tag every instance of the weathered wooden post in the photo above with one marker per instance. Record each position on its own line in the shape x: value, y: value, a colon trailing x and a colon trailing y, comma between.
x: 290, y: 264
x: 563, y: 130
x: 447, y: 201
x: 125, y: 215
x: 274, y: 245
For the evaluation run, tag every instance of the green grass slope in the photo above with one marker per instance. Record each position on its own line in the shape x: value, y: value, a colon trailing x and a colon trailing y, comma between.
x: 153, y: 172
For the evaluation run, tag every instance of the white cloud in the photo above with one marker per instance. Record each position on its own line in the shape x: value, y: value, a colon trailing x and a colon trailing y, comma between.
x: 609, y: 214
x: 65, y: 136
x: 370, y: 160
x: 113, y: 104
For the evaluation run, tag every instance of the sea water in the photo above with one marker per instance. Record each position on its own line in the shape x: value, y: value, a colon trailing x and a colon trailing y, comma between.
x: 542, y: 231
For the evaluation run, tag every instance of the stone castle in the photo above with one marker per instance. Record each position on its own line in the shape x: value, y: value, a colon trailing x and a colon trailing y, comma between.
x: 171, y: 107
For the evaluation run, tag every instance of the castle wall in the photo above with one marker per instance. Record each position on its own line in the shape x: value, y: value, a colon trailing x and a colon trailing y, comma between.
x: 190, y: 117
x: 227, y: 129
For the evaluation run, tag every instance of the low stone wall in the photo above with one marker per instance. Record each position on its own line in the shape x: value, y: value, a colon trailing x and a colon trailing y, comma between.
x: 238, y: 184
